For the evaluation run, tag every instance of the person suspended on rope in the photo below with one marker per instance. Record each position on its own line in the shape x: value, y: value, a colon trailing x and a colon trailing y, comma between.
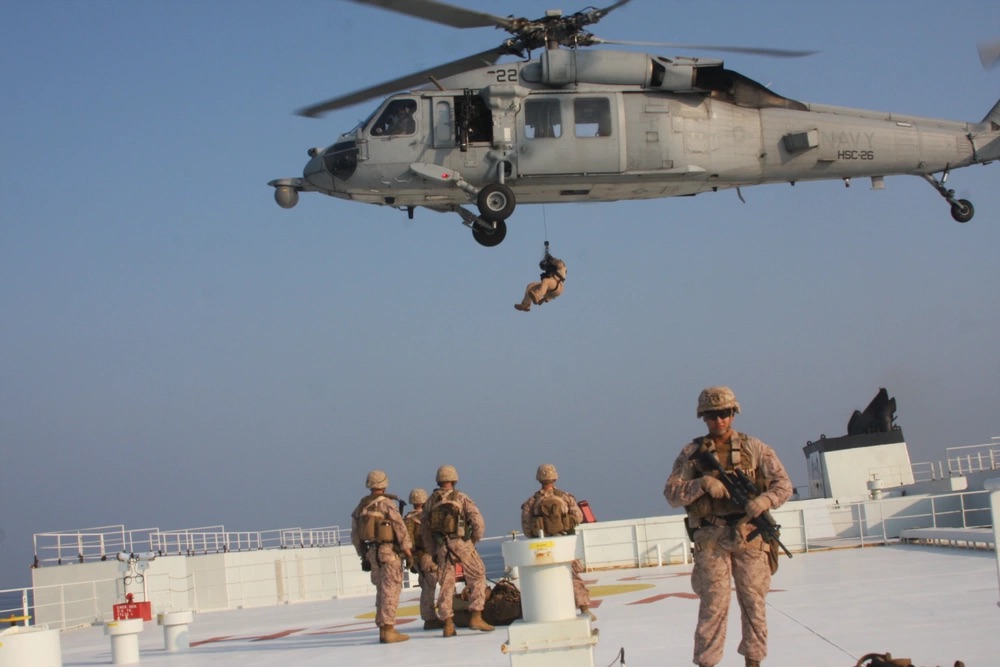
x: 549, y: 286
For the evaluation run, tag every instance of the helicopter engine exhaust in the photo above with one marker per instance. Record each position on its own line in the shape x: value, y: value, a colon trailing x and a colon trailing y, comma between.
x: 286, y: 196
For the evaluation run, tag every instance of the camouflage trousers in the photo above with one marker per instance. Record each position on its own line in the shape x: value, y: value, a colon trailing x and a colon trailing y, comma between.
x: 581, y: 596
x: 473, y: 569
x: 720, y: 553
x: 387, y: 576
x: 428, y: 583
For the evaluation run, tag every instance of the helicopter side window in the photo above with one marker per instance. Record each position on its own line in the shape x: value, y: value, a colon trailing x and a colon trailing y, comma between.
x: 592, y: 116
x: 542, y: 119
x: 397, y: 119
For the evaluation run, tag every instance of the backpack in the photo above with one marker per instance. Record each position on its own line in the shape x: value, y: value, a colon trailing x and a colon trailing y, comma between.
x: 447, y: 518
x: 551, y: 515
x: 412, y: 521
x: 374, y: 524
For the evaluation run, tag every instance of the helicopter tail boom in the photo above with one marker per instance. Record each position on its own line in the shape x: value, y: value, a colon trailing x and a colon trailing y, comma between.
x: 987, y: 143
x: 994, y: 116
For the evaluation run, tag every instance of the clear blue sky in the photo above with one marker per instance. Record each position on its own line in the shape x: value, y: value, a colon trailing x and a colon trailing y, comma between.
x: 177, y: 351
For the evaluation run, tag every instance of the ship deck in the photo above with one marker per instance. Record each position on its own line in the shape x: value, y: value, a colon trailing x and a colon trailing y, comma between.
x: 931, y: 604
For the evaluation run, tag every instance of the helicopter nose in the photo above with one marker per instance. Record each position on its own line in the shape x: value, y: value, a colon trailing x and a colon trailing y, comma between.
x: 315, y: 172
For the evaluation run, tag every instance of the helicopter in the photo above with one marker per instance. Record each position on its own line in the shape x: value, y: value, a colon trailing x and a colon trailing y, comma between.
x: 579, y: 125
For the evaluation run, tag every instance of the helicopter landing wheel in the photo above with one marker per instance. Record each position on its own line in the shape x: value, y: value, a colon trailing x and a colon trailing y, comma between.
x: 962, y: 210
x: 495, y: 202
x: 490, y: 238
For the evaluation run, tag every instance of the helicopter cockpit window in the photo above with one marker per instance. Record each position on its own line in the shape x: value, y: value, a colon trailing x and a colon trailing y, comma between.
x: 592, y: 117
x: 542, y: 119
x: 397, y: 119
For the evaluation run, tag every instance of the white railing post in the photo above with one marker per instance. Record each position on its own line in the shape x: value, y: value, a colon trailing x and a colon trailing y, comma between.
x: 993, y: 486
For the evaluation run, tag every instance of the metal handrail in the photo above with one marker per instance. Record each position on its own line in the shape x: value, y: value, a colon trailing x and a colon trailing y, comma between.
x: 103, y: 542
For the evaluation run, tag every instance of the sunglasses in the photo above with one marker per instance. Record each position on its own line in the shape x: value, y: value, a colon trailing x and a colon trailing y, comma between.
x: 710, y: 415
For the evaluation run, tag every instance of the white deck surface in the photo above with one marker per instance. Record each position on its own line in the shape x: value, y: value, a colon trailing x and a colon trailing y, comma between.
x: 930, y: 604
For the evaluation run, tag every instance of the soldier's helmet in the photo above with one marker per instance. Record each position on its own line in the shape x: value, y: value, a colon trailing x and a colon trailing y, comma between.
x: 447, y: 474
x: 418, y: 497
x: 377, y: 479
x: 717, y: 398
x: 546, y: 473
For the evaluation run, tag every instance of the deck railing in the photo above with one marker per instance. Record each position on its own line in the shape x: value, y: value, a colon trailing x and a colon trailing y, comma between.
x: 259, y: 578
x: 105, y: 542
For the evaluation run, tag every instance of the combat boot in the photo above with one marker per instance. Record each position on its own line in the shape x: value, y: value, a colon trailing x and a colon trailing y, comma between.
x: 449, y: 627
x: 387, y: 635
x: 585, y: 611
x: 477, y: 623
x: 751, y: 662
x: 433, y: 624
x: 523, y: 308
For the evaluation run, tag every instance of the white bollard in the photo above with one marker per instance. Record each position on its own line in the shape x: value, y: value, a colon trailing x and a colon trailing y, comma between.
x: 124, y: 640
x: 34, y: 645
x: 550, y: 632
x: 175, y: 629
x: 993, y: 486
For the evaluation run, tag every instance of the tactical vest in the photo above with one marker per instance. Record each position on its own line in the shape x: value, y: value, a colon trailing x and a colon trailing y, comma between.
x: 446, y: 517
x: 551, y: 514
x: 738, y: 457
x: 412, y: 522
x: 373, y: 522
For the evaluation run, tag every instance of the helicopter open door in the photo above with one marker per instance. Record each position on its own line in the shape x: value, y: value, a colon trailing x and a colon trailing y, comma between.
x: 580, y: 133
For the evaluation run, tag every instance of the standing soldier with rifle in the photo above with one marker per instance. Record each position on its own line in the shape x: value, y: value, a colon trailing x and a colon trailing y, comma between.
x: 450, y: 525
x: 733, y: 534
x: 379, y: 537
x: 422, y: 562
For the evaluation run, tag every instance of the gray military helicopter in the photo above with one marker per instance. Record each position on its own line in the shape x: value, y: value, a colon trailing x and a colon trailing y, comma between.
x: 578, y: 125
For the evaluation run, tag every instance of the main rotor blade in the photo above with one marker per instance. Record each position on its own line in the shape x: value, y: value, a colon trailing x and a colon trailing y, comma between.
x: 441, y: 12
x: 599, y: 14
x: 779, y: 53
x: 989, y: 53
x: 409, y: 81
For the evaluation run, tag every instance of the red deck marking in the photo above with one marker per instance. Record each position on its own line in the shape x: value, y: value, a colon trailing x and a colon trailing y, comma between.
x: 213, y: 639
x: 353, y: 627
x: 594, y: 604
x: 276, y: 635
x: 657, y: 598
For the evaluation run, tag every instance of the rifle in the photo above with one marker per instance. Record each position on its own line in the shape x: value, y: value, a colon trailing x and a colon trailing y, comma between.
x: 741, y: 491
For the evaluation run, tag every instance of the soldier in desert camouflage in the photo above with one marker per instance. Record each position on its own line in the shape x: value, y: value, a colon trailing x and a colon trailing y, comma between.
x: 451, y: 524
x: 720, y: 529
x: 379, y: 537
x: 423, y: 562
x: 532, y: 523
x: 548, y: 286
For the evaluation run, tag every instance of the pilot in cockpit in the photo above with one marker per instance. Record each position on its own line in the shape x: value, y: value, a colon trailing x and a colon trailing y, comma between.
x: 397, y: 119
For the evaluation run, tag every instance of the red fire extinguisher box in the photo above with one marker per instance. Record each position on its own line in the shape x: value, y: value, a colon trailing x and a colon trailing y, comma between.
x: 127, y: 610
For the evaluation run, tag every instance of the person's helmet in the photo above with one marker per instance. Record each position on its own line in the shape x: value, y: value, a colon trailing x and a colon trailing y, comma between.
x: 377, y: 479
x: 418, y: 497
x: 447, y: 474
x: 546, y: 473
x: 717, y: 398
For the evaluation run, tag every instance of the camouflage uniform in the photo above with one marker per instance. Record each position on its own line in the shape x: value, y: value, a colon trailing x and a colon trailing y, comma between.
x: 453, y: 550
x: 425, y: 565
x: 721, y: 529
x: 387, y: 568
x: 581, y: 596
x: 550, y: 285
